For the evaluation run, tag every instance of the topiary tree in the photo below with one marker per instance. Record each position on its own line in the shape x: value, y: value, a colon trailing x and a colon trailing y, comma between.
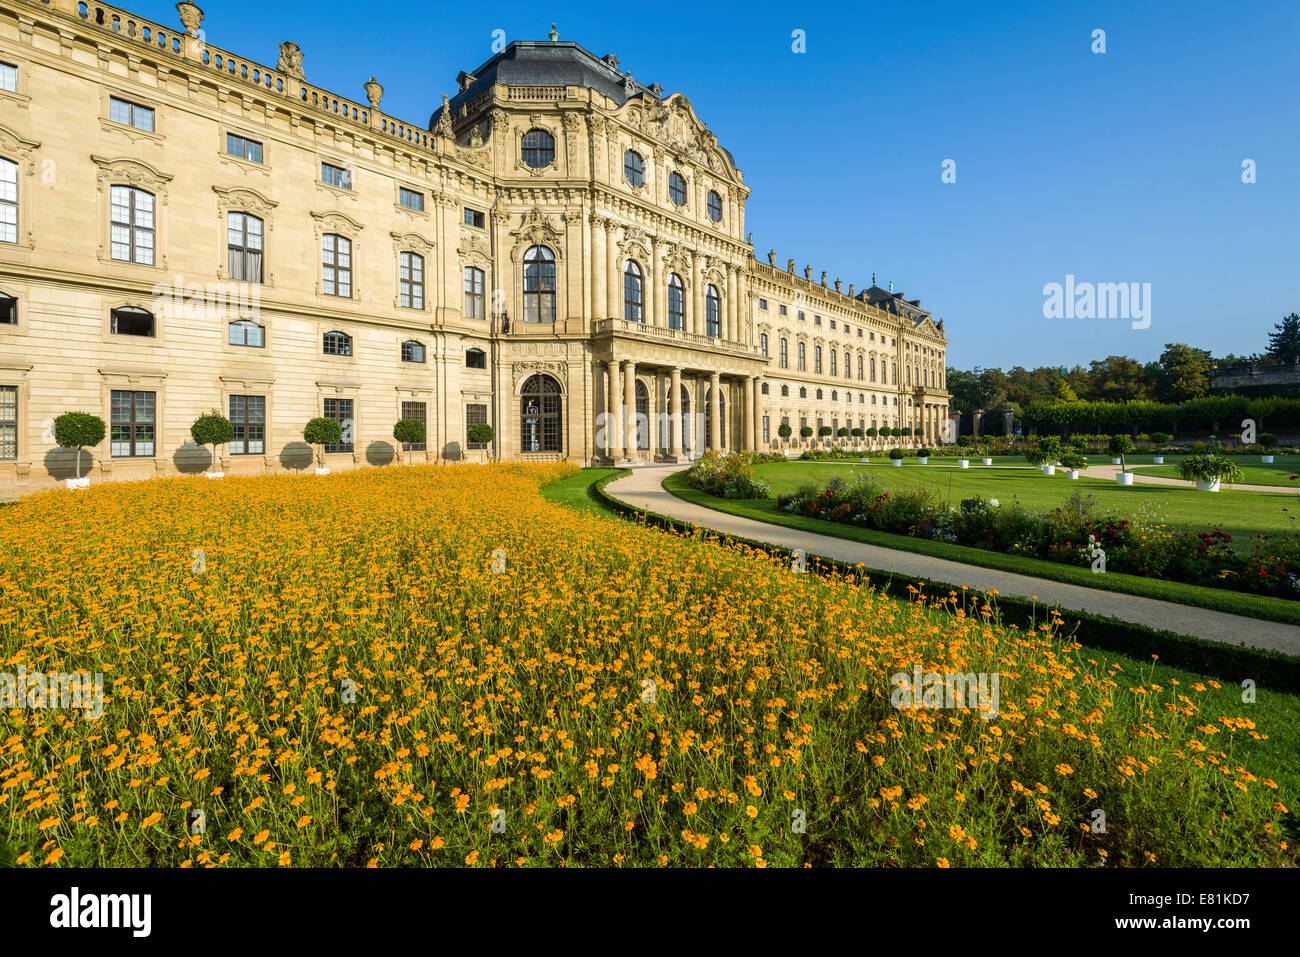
x: 843, y: 433
x: 77, y: 430
x: 823, y: 431
x: 481, y: 434
x: 855, y: 432
x: 784, y: 431
x: 965, y: 441
x: 212, y: 428
x: 322, y: 432
x: 1268, y: 440
x: 1046, y: 452
x: 872, y: 433
x: 805, y: 432
x: 409, y: 432
x: 1121, y: 446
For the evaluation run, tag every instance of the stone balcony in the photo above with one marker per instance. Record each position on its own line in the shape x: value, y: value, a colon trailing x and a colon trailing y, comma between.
x: 679, y: 337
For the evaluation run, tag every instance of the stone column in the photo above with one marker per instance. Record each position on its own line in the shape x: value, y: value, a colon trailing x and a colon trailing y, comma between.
x: 614, y: 274
x: 733, y: 304
x: 675, y: 410
x: 758, y: 412
x: 598, y: 268
x: 715, y: 415
x: 613, y: 422
x: 629, y: 405
x: 696, y: 325
x: 650, y: 291
x: 747, y: 416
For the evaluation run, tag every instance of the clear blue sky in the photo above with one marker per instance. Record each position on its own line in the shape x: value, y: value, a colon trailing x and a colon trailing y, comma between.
x: 1115, y: 167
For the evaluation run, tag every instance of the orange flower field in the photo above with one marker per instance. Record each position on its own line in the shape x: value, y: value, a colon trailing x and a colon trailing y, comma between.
x: 418, y: 666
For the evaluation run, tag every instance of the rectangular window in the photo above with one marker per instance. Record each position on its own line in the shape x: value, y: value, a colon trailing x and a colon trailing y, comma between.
x: 332, y: 175
x: 8, y: 310
x: 410, y: 198
x: 785, y: 354
x: 780, y: 310
x: 244, y: 247
x: 132, y: 225
x: 767, y: 434
x: 411, y: 280
x: 131, y: 114
x: 8, y: 201
x: 475, y: 305
x: 414, y: 410
x: 762, y: 342
x: 248, y: 416
x: 473, y: 218
x: 801, y: 315
x: 762, y: 304
x: 817, y: 320
x: 9, y: 77
x: 244, y: 148
x: 832, y: 324
x: 132, y: 428
x: 475, y: 415
x: 340, y: 410
x: 336, y: 262
x: 803, y: 358
x: 8, y: 421
x: 817, y: 359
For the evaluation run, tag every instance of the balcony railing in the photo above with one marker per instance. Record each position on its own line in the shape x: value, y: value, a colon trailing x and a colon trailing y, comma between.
x: 641, y: 330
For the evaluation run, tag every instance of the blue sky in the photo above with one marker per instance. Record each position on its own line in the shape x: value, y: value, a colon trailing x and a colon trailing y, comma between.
x: 1117, y: 167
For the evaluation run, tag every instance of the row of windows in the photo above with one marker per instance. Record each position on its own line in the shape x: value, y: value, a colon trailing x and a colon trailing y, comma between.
x: 133, y: 418
x: 634, y: 300
x: 835, y: 395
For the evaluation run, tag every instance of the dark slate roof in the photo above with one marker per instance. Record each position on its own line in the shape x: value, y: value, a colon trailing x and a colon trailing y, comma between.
x: 549, y: 63
x: 893, y: 301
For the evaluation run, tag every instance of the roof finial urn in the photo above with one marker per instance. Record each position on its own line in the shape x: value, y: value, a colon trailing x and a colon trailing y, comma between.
x: 553, y: 36
x: 191, y: 17
x: 374, y: 93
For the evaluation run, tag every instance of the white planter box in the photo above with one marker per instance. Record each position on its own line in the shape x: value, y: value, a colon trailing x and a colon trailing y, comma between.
x: 963, y: 463
x: 1158, y: 459
x: 1124, y: 478
x: 1266, y: 459
x: 214, y: 474
x: 77, y: 482
x: 1114, y: 460
x: 321, y: 471
x: 897, y: 463
x: 988, y: 460
x: 1072, y: 473
x: 1203, y: 485
x: 923, y: 459
x: 1049, y: 469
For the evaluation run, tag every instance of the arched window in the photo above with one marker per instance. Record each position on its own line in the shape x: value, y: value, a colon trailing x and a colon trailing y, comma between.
x: 715, y: 207
x: 538, y: 149
x: 475, y: 359
x: 686, y: 418
x: 712, y: 312
x: 539, y: 285
x: 244, y: 247
x: 803, y: 358
x: 803, y: 392
x: 817, y: 359
x: 338, y: 344
x: 819, y: 393
x: 677, y: 189
x: 541, y: 413
x: 708, y: 419
x: 412, y: 351
x: 676, y: 302
x: 785, y: 354
x: 632, y: 291
x: 634, y: 167
x: 642, y: 417
x: 833, y: 355
x: 835, y: 395
x: 245, y: 332
x: 785, y: 391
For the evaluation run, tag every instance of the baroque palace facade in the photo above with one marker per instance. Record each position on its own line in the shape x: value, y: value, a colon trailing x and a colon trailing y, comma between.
x: 183, y: 229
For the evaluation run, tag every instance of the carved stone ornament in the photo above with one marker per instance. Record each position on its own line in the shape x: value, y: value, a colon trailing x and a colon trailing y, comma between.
x: 374, y: 93
x: 537, y: 229
x: 444, y: 118
x: 290, y: 61
x: 191, y: 17
x: 523, y: 370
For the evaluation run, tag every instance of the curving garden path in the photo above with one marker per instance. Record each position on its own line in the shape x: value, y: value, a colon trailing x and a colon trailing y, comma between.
x: 643, y: 489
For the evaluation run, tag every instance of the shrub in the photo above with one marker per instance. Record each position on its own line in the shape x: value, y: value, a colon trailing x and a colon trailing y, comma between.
x: 965, y: 441
x: 77, y: 430
x: 322, y: 432
x: 784, y: 430
x: 410, y: 432
x: 823, y: 431
x: 805, y: 431
x: 212, y: 429
x: 1210, y: 466
x: 896, y: 453
x: 924, y: 452
x: 872, y: 432
x: 1046, y: 452
x: 731, y: 476
x: 1268, y: 440
x: 1159, y: 438
x: 1074, y: 460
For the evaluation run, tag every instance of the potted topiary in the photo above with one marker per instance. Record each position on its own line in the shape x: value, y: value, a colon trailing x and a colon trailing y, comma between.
x: 896, y: 457
x: 212, y: 429
x: 857, y: 434
x: 78, y: 430
x: 1121, y: 446
x: 1209, y: 469
x: 1073, y: 461
x: 481, y: 434
x: 923, y: 454
x: 1158, y: 439
x: 823, y: 432
x: 784, y: 431
x: 1045, y: 454
x: 805, y: 432
x: 871, y: 434
x: 409, y: 432
x: 322, y: 432
x: 1269, y: 441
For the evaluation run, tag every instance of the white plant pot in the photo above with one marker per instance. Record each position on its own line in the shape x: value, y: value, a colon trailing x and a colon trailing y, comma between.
x: 988, y: 460
x: 1124, y: 478
x: 320, y: 471
x: 1114, y: 460
x: 1266, y: 459
x: 864, y: 458
x: 76, y: 483
x: 1207, y: 485
x: 897, y: 463
x: 1158, y: 459
x: 923, y: 459
x: 1072, y: 473
x: 963, y: 463
x: 1049, y: 469
x: 214, y: 474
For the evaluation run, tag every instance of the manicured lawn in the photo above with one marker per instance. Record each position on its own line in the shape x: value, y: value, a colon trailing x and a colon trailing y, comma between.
x: 1255, y: 471
x: 1240, y: 512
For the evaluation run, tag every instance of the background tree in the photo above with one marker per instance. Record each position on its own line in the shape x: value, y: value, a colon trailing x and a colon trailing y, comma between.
x: 1118, y: 379
x: 78, y: 430
x: 1184, y: 372
x: 1284, y: 340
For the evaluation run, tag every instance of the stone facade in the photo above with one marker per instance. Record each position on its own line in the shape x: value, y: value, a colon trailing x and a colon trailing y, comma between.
x: 193, y: 230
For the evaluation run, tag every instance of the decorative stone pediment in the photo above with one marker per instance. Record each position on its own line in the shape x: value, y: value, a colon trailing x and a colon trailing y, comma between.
x: 336, y: 222
x: 129, y: 172
x: 11, y: 144
x: 474, y: 251
x: 673, y: 123
x: 556, y: 370
x: 537, y: 229
x: 411, y: 242
x: 240, y: 198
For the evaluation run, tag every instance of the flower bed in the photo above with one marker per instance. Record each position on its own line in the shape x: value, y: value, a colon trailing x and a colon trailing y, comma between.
x: 1072, y: 534
x: 730, y: 476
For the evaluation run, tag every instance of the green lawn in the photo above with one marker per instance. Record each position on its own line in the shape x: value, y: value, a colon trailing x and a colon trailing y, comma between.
x: 1254, y: 471
x: 1239, y: 511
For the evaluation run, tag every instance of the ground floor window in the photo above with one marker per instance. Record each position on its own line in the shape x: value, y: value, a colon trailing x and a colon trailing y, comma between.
x: 340, y: 410
x: 132, y: 433
x: 475, y: 415
x: 248, y: 416
x: 8, y: 421
x: 642, y: 417
x: 767, y: 434
x: 541, y: 411
x: 414, y: 410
